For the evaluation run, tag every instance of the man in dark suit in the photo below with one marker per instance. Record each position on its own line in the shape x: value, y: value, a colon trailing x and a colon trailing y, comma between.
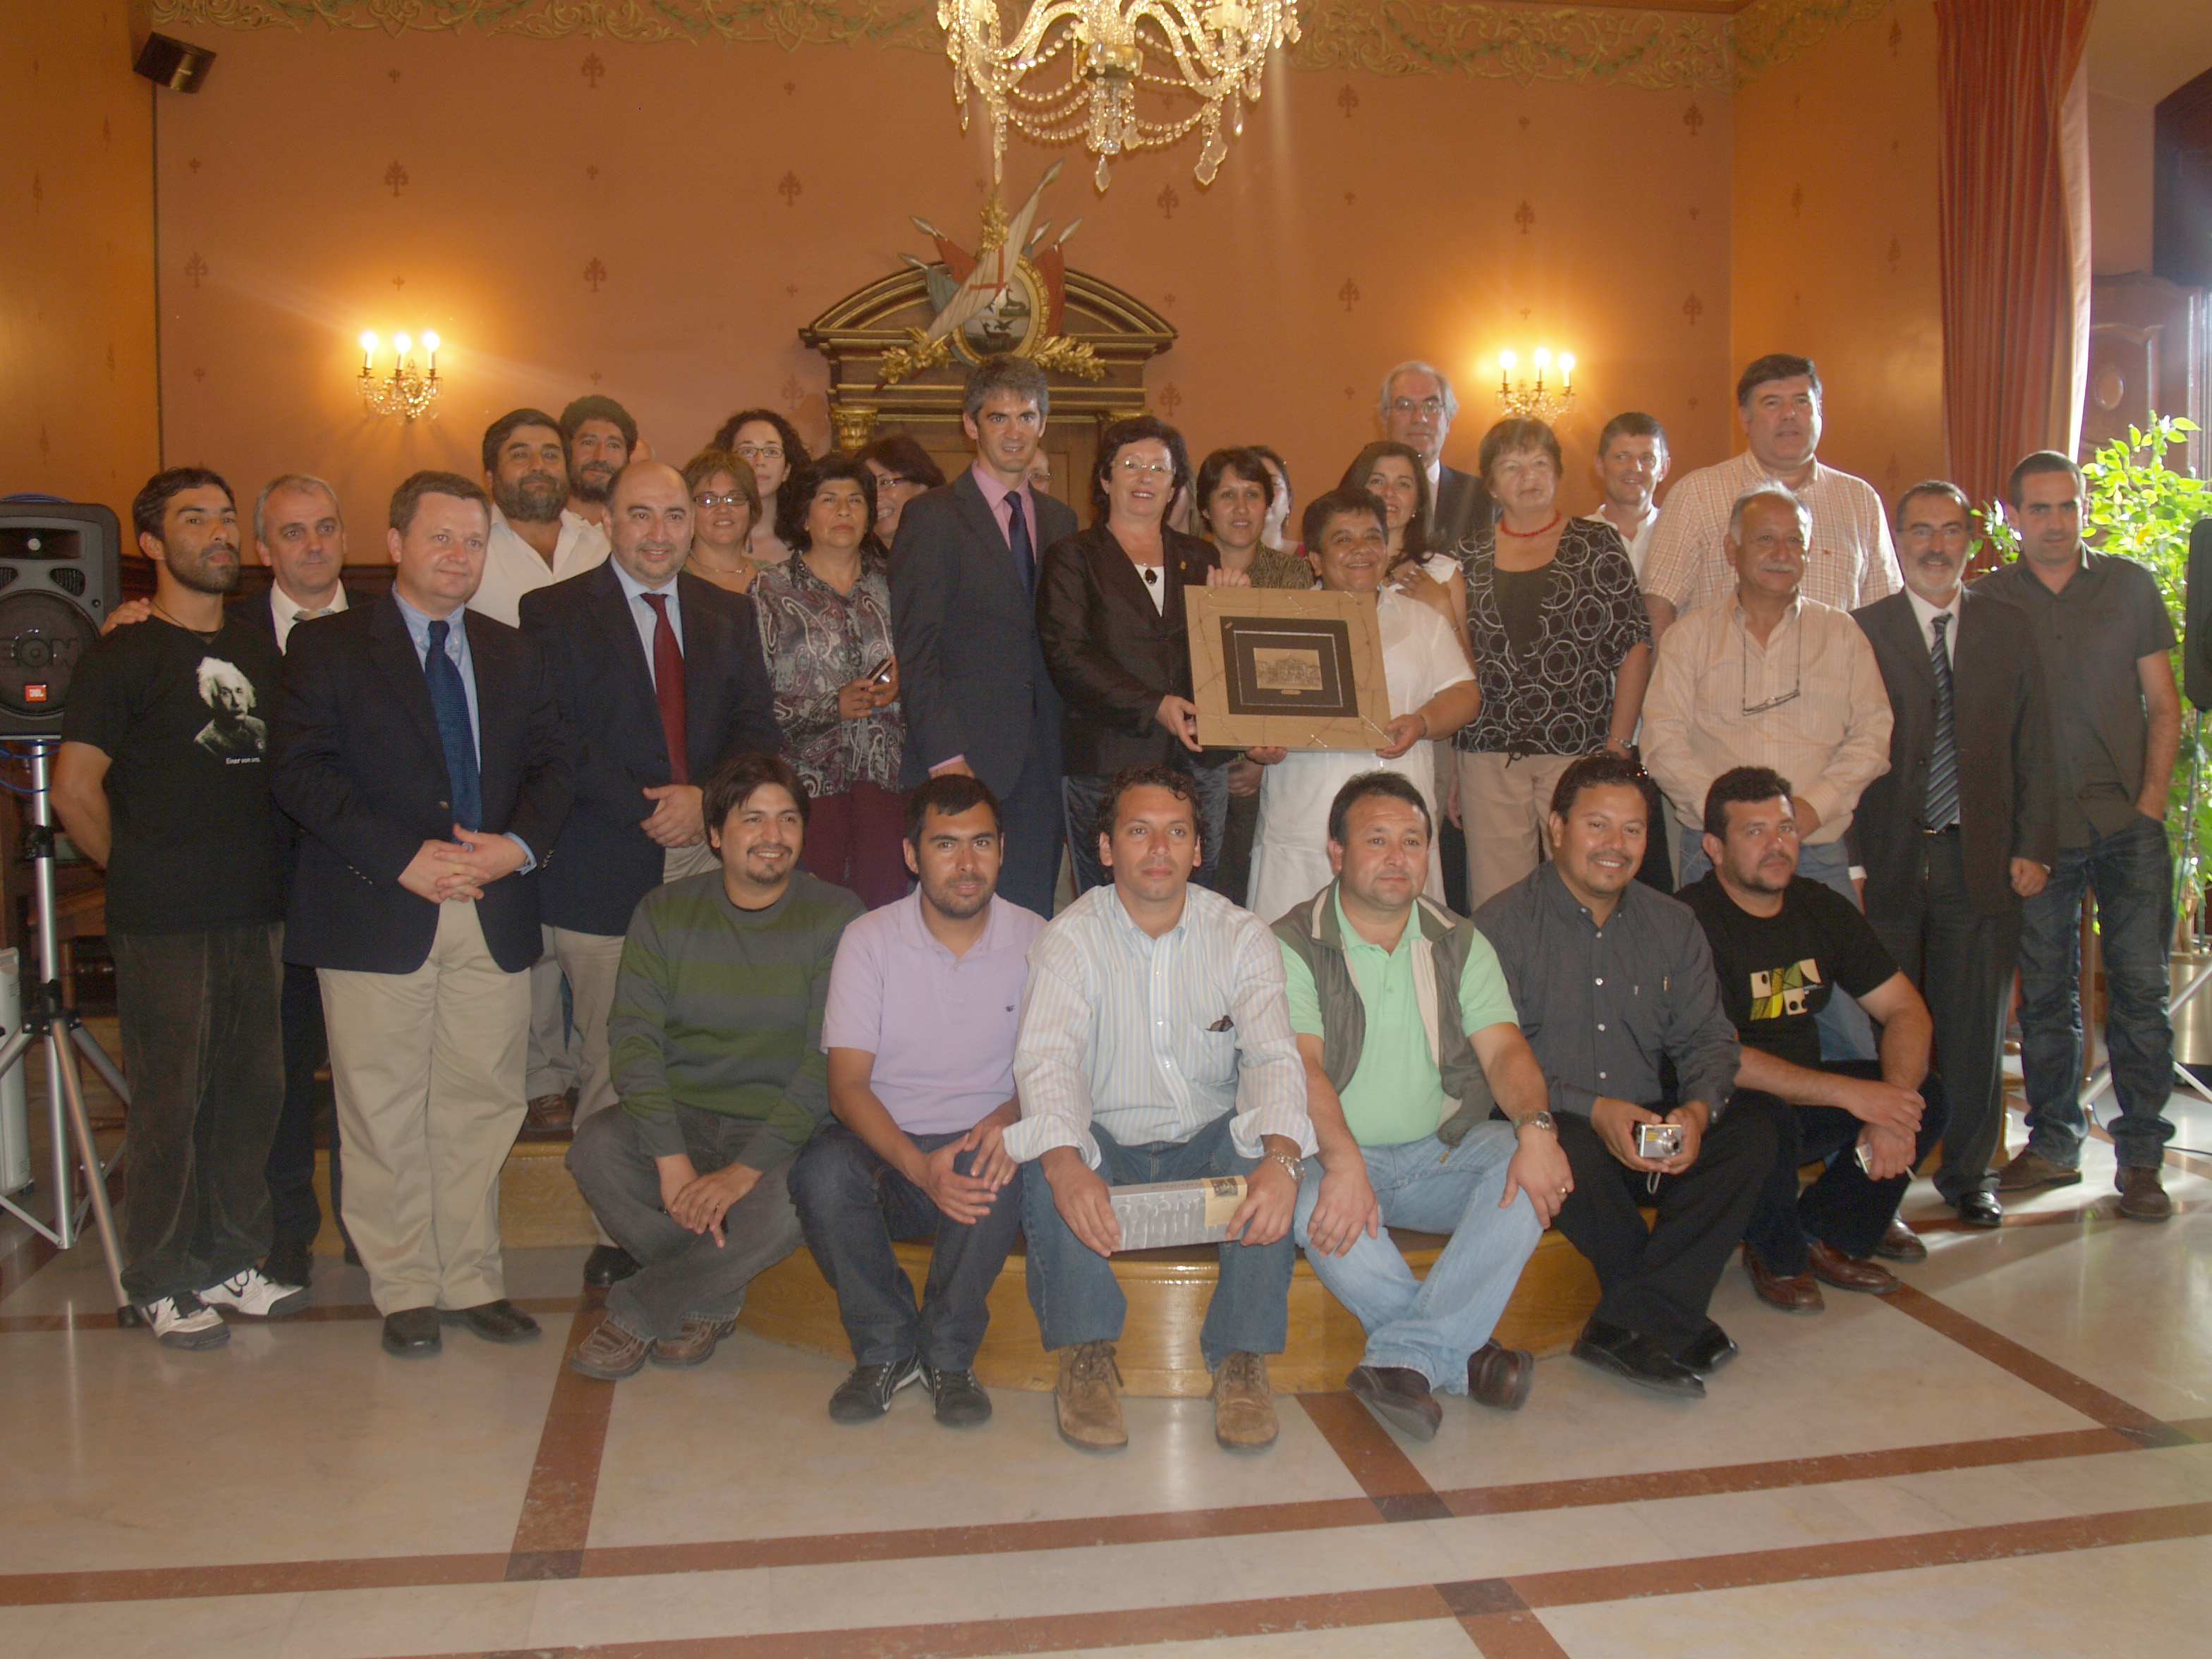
x: 963, y: 617
x: 1962, y: 826
x: 421, y: 751
x: 1416, y: 408
x: 660, y: 678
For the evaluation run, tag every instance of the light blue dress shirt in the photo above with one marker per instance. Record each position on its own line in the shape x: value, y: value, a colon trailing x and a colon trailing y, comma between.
x: 641, y: 614
x: 457, y: 648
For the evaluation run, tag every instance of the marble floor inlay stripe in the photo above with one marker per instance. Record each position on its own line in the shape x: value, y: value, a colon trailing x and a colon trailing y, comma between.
x: 1399, y: 1490
x: 556, y: 1508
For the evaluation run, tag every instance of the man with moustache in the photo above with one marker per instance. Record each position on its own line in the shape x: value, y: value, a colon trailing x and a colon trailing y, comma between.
x: 924, y: 1002
x: 972, y: 677
x: 1417, y: 407
x: 1430, y: 1110
x: 1849, y: 561
x: 717, y: 1053
x: 599, y: 437
x: 186, y: 831
x: 1961, y: 828
x: 2107, y: 643
x: 659, y: 674
x: 1612, y: 981
x: 420, y: 751
x: 1781, y: 946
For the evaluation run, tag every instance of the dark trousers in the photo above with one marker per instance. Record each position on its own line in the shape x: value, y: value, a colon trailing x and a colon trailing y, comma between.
x: 852, y: 1204
x: 1232, y: 867
x: 1658, y: 1281
x: 1962, y: 961
x: 1036, y: 830
x: 1083, y: 791
x: 1845, y: 1207
x: 1655, y: 872
x: 2132, y: 872
x: 202, y: 1050
x: 1072, y: 1288
x: 295, y: 1216
x: 853, y: 842
x: 681, y: 1275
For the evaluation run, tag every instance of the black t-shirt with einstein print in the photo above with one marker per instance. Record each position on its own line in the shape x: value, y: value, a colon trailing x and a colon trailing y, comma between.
x: 183, y: 718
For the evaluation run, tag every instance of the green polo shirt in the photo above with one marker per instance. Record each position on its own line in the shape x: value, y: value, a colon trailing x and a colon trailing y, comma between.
x: 1397, y: 1095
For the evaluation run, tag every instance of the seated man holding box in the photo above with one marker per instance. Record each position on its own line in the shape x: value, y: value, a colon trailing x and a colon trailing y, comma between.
x: 1406, y: 1027
x: 919, y: 1030
x: 1154, y: 1047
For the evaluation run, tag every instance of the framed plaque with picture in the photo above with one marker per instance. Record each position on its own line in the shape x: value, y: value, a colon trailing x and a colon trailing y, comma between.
x: 1274, y: 668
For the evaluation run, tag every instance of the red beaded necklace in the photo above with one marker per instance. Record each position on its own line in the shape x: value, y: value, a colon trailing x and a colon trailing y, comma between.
x: 1527, y: 535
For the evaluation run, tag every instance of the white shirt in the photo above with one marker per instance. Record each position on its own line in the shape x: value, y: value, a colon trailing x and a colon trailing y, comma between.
x: 512, y: 567
x: 645, y: 619
x: 1926, y: 613
x: 1153, y: 1039
x: 286, y: 609
x: 1289, y: 848
x: 1639, y: 545
x: 1848, y: 558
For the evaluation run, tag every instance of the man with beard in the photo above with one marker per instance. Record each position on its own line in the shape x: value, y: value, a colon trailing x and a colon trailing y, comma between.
x: 923, y: 1001
x: 599, y: 438
x: 186, y: 830
x: 717, y: 1045
x: 1961, y: 828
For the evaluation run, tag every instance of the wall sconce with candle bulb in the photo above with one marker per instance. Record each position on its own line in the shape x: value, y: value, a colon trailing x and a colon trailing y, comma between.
x: 1538, y: 402
x: 404, y: 392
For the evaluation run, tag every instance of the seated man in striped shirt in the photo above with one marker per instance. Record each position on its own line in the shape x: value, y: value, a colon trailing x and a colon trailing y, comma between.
x: 1156, y: 1046
x: 715, y: 1042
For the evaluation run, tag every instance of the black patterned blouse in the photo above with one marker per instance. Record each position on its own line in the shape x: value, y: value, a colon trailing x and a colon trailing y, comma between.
x: 816, y: 640
x: 1555, y: 696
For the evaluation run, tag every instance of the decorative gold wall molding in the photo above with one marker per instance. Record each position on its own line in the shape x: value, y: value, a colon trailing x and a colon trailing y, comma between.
x: 1522, y: 43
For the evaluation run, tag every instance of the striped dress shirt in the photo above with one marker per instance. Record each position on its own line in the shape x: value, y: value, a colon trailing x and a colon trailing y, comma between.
x: 1849, y: 559
x: 1153, y: 1039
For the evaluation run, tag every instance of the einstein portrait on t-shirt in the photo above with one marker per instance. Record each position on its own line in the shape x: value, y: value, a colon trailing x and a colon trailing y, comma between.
x: 233, y: 733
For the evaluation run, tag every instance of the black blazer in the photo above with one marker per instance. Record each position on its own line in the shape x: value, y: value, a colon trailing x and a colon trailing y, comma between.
x: 1113, y: 653
x: 252, y: 611
x: 971, y: 679
x: 360, y: 767
x: 1461, y: 512
x: 605, y: 863
x: 2008, y: 793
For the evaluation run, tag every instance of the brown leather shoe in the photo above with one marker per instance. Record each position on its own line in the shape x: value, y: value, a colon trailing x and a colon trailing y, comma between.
x: 1500, y: 1377
x: 1400, y: 1397
x: 2142, y: 1195
x: 549, y: 1117
x: 1085, y: 1398
x: 1792, y: 1293
x: 2032, y: 1170
x: 694, y: 1343
x: 610, y: 1353
x: 1901, y: 1244
x: 1243, y: 1404
x: 1831, y: 1266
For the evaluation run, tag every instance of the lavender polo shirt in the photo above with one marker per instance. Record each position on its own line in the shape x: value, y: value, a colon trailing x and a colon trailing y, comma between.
x: 941, y: 1027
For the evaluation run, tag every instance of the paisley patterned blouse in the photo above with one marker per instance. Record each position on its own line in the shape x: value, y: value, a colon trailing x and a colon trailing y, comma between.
x: 817, y: 640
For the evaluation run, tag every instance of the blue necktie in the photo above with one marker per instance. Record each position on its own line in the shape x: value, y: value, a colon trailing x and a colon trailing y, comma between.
x: 451, y: 705
x: 1018, y: 537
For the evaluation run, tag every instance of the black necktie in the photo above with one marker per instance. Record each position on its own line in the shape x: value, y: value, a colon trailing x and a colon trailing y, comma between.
x: 1943, y: 758
x: 1018, y: 536
x: 450, y: 703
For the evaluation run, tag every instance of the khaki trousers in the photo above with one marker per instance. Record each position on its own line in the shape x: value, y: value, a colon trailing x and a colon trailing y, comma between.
x: 429, y: 1070
x: 1503, y: 803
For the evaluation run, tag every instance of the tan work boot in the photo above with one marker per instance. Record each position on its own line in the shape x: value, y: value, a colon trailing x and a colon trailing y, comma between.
x: 1243, y: 1404
x: 1085, y: 1397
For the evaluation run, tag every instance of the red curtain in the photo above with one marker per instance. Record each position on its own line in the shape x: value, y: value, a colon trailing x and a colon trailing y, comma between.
x: 2014, y: 296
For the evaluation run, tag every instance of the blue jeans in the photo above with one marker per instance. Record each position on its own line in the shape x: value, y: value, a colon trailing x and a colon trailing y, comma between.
x: 1432, y: 1325
x: 1846, y: 1033
x: 1073, y: 1287
x: 1081, y: 792
x: 2132, y: 872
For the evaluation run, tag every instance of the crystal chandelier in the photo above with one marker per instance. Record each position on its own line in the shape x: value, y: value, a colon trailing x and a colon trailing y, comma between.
x: 1215, y: 53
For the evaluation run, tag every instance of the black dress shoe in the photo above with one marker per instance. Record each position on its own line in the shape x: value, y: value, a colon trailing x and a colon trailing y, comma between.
x: 494, y: 1322
x: 1709, y: 1350
x: 1400, y: 1397
x: 290, y: 1263
x: 1980, y: 1209
x: 608, y: 1264
x: 1636, y: 1358
x: 412, y: 1333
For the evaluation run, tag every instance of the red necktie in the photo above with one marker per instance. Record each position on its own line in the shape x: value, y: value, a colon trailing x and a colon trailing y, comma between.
x: 668, y: 687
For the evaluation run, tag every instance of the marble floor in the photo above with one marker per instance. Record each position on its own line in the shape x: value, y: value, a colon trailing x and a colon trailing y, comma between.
x: 2013, y: 1457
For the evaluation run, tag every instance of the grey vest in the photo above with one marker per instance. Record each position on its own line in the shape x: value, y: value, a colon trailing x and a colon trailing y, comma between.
x: 1439, y: 953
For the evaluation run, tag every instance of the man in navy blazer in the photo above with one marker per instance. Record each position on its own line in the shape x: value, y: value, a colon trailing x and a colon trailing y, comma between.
x: 963, y: 617
x: 653, y: 706
x: 422, y: 752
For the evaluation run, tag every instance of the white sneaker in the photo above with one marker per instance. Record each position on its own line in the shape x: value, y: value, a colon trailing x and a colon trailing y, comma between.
x: 250, y: 1293
x: 183, y: 1321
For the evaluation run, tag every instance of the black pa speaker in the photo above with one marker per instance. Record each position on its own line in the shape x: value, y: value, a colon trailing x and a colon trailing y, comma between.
x: 60, y: 577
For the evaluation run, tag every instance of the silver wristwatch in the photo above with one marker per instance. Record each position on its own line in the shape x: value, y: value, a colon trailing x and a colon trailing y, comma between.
x: 1541, y: 1120
x: 1291, y: 1162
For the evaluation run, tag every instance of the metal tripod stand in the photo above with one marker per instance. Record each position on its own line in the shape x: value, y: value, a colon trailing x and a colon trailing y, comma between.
x: 46, y: 1018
